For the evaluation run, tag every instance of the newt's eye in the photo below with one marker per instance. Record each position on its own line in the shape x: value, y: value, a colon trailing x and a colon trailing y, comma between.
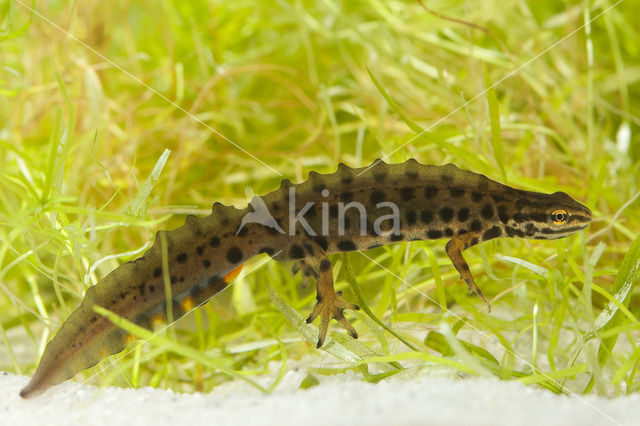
x: 559, y: 217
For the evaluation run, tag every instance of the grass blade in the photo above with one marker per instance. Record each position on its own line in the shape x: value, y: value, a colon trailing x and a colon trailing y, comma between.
x: 496, y: 131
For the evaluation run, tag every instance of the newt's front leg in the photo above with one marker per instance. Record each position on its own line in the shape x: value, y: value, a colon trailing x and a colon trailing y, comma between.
x: 330, y: 303
x: 454, y: 250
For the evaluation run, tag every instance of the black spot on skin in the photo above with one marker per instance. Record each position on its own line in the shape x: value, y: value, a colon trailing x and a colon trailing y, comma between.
x: 434, y: 234
x: 347, y: 223
x: 216, y: 284
x: 463, y: 214
x: 200, y: 250
x: 346, y: 196
x: 430, y: 192
x: 157, y: 272
x: 446, y: 214
x: 178, y: 311
x: 296, y: 252
x: 243, y: 232
x: 464, y: 266
x: 411, y: 173
x: 456, y: 192
x: 510, y: 231
x: 93, y: 319
x: 426, y: 216
x: 407, y: 193
x: 446, y: 178
x: 530, y: 229
x: 497, y: 198
x: 462, y: 231
x: 483, y: 185
x: 322, y: 242
x: 122, y: 295
x: 346, y: 245
x: 142, y: 288
x: 182, y: 279
x: 372, y: 246
x: 267, y: 250
x: 410, y: 216
x: 476, y: 196
x: 318, y: 188
x: 174, y: 279
x: 152, y: 288
x: 448, y: 232
x: 234, y: 255
x: 578, y: 218
x: 311, y: 212
x: 396, y: 237
x: 309, y: 248
x: 206, y: 263
x: 325, y: 265
x: 520, y: 217
x: 380, y: 176
x: 142, y: 320
x: 473, y: 242
x: 370, y: 227
x: 502, y: 214
x: 333, y: 211
x: 538, y: 217
x: 182, y: 258
x: 487, y: 211
x: 476, y: 225
x: 346, y: 179
x: 377, y: 197
x: 214, y: 241
x: 493, y: 232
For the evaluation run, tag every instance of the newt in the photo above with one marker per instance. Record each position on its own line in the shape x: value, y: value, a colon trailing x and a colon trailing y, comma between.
x: 351, y: 209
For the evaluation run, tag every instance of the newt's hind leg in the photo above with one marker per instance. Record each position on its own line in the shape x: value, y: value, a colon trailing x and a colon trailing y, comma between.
x: 454, y: 250
x: 330, y: 303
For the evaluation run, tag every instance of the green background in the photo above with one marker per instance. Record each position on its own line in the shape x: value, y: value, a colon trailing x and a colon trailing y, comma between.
x: 92, y: 93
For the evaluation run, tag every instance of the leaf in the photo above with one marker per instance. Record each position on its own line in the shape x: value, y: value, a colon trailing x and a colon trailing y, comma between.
x: 437, y: 341
x: 394, y: 105
x: 136, y: 206
x: 156, y: 339
x: 362, y: 303
x: 612, y: 315
x: 496, y: 132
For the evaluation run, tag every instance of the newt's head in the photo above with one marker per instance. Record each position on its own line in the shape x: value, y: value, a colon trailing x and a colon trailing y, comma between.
x: 550, y: 216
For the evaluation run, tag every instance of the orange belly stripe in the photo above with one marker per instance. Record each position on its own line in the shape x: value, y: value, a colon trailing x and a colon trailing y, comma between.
x: 232, y: 275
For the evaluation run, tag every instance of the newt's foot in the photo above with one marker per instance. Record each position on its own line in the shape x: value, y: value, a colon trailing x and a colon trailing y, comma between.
x: 474, y: 287
x: 332, y: 307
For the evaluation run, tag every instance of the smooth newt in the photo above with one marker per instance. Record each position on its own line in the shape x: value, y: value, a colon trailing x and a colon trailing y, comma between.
x: 352, y: 209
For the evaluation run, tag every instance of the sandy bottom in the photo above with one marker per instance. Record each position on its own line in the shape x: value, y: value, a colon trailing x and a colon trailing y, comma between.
x: 339, y: 400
